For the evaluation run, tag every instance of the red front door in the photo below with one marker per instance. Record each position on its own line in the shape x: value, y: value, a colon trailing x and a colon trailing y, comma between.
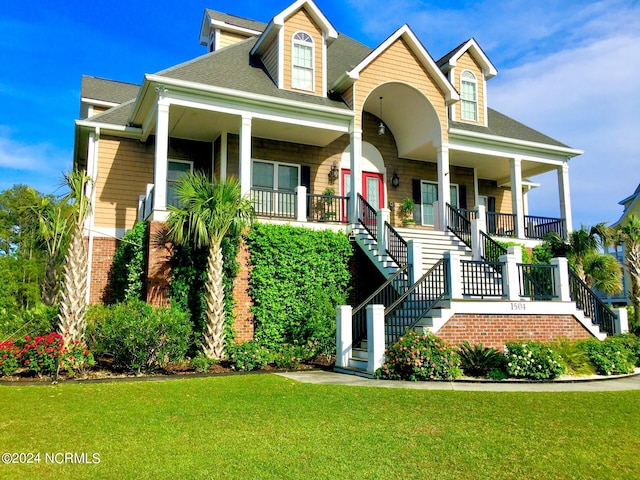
x: 372, y: 187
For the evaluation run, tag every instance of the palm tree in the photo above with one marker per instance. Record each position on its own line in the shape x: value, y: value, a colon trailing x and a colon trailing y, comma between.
x: 630, y: 235
x: 596, y: 269
x: 52, y: 232
x: 73, y: 302
x: 208, y: 211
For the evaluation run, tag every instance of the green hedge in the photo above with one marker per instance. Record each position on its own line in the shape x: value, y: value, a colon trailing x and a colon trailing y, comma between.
x: 297, y: 279
x: 130, y: 264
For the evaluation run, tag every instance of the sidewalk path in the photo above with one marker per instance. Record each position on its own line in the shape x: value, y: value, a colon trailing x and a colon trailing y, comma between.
x: 627, y: 382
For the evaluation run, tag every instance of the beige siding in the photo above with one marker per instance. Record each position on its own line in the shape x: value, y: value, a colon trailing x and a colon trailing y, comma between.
x: 501, y: 194
x: 124, y: 169
x: 99, y: 109
x: 347, y: 96
x: 466, y: 62
x: 398, y: 63
x: 302, y: 21
x: 270, y: 59
x: 228, y: 38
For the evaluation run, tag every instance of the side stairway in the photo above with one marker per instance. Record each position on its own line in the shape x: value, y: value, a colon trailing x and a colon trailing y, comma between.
x: 434, y: 245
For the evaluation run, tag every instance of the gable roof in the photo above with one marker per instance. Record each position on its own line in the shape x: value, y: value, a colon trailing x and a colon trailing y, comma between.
x: 629, y: 204
x: 111, y: 91
x: 404, y: 32
x: 450, y: 60
x: 224, y: 19
x: 277, y: 23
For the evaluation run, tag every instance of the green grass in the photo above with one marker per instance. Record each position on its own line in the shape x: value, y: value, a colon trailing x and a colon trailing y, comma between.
x: 265, y: 426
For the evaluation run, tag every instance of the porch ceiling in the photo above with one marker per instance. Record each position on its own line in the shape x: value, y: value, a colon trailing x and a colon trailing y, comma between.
x: 498, y: 168
x: 204, y: 125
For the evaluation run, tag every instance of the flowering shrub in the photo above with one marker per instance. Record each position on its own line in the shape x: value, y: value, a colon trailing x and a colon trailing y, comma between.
x: 532, y: 360
x: 610, y: 357
x: 248, y: 356
x: 420, y: 357
x: 8, y: 359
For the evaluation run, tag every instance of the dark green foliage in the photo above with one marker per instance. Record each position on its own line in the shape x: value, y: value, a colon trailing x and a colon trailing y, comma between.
x: 188, y: 278
x: 478, y: 361
x: 130, y: 264
x: 201, y: 363
x: 532, y: 360
x: 249, y: 356
x: 420, y: 357
x: 611, y: 356
x: 298, y: 278
x: 526, y: 256
x: 138, y: 336
x: 39, y: 320
x: 541, y: 254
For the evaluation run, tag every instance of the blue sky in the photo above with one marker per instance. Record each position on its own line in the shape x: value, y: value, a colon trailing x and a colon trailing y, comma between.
x: 564, y: 68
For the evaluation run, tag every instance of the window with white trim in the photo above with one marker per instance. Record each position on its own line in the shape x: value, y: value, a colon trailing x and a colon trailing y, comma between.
x: 429, y: 195
x: 302, y: 61
x: 273, y: 187
x: 469, y: 96
x: 176, y: 170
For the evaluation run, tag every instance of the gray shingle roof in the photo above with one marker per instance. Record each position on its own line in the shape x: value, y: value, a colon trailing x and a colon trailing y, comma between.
x: 503, y: 126
x: 231, y: 68
x: 237, y: 21
x: 443, y: 61
x: 344, y: 54
x: 107, y: 90
x: 116, y: 115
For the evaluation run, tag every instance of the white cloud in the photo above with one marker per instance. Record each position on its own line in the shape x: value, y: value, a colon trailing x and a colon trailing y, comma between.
x: 41, y: 157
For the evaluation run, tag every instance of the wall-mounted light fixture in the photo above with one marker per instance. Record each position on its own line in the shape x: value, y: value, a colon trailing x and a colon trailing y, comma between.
x: 395, y: 180
x: 381, y: 127
x: 333, y: 173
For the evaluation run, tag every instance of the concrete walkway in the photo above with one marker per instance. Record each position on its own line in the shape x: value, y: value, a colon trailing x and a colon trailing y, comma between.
x: 592, y: 384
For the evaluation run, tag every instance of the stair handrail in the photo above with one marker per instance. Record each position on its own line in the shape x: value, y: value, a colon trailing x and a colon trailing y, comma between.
x: 494, y: 248
x: 459, y: 225
x: 397, y: 247
x: 399, y: 281
x: 587, y: 301
x: 368, y: 217
x: 432, y: 287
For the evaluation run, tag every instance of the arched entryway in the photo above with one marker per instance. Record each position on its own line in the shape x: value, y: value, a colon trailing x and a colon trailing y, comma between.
x: 373, y: 175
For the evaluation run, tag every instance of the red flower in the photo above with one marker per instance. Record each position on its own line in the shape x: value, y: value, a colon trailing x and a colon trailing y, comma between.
x: 27, y: 337
x: 26, y: 362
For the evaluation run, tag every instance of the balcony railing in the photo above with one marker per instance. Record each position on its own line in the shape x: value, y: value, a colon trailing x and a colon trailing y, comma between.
x: 537, y: 281
x: 327, y: 208
x: 482, y: 279
x: 539, y: 227
x: 273, y: 203
x: 501, y: 224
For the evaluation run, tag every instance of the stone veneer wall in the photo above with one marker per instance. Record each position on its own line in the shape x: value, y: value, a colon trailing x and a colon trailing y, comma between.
x: 496, y: 330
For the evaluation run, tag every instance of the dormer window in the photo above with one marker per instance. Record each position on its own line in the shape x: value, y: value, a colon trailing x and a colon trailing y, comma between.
x: 469, y: 96
x: 302, y: 65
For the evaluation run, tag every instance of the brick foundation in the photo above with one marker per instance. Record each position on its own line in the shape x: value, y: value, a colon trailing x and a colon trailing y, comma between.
x: 496, y: 330
x: 101, y: 290
x: 243, y: 323
x: 159, y: 267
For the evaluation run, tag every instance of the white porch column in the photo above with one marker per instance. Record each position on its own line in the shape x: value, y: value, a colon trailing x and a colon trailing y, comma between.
x: 621, y: 323
x: 223, y: 156
x: 414, y: 258
x: 525, y: 200
x: 565, y: 197
x: 355, y: 151
x: 344, y: 340
x: 479, y: 224
x: 561, y: 279
x: 375, y: 337
x: 510, y: 275
x: 455, y: 274
x: 444, y: 185
x: 245, y: 155
x: 384, y: 215
x: 516, y: 195
x: 301, y: 203
x: 161, y: 163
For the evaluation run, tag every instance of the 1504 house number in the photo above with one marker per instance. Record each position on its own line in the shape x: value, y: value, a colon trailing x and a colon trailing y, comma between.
x: 518, y: 306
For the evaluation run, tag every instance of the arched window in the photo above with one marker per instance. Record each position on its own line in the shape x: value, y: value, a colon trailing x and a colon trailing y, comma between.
x: 302, y: 65
x: 469, y: 96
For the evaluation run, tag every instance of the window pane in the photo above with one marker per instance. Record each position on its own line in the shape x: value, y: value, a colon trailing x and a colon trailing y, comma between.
x: 454, y: 196
x: 429, y: 195
x: 373, y: 192
x: 287, y: 177
x: 177, y: 170
x: 263, y: 175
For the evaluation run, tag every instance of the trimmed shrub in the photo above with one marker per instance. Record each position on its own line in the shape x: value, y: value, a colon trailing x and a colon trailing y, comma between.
x: 420, y: 357
x: 478, y: 360
x: 610, y: 357
x: 140, y: 337
x: 532, y: 360
x: 248, y: 356
x: 298, y: 277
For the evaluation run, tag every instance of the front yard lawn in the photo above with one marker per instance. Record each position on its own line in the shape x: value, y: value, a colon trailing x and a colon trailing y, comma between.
x: 265, y: 426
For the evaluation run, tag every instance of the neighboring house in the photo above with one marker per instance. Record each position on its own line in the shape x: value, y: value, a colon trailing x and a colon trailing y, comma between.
x: 631, y: 205
x: 320, y: 130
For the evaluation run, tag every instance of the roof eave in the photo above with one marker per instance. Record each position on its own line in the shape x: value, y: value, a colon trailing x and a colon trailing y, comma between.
x: 488, y: 69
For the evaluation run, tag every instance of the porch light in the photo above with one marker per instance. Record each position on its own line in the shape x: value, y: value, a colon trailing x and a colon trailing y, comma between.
x: 395, y: 180
x: 333, y: 173
x: 381, y: 127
